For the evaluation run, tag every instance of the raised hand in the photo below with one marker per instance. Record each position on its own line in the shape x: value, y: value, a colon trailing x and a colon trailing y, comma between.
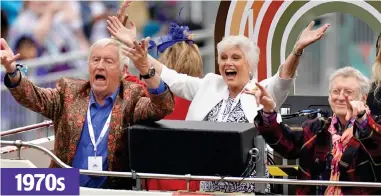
x: 120, y: 32
x: 8, y: 59
x: 263, y: 97
x: 356, y: 109
x: 309, y: 36
x: 139, y: 55
x: 120, y: 14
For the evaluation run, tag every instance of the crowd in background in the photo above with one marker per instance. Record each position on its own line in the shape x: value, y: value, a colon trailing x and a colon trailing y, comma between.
x: 46, y: 28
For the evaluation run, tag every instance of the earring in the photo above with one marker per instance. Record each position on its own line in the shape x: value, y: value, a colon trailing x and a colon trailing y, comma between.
x: 251, y: 75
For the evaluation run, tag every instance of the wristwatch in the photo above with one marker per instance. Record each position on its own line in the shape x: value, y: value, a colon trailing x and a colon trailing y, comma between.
x: 14, y: 74
x: 151, y: 73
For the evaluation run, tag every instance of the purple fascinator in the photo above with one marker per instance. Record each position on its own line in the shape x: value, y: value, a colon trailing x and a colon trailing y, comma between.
x: 176, y: 34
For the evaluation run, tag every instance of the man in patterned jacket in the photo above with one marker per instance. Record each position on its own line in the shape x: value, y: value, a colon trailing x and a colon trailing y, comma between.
x: 91, y: 117
x: 345, y: 147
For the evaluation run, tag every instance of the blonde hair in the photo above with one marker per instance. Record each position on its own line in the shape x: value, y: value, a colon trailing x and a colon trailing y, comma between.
x: 250, y: 50
x: 184, y: 58
x: 376, y: 68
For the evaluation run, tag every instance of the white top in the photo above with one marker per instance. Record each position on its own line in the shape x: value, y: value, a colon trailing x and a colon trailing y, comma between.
x: 205, y: 93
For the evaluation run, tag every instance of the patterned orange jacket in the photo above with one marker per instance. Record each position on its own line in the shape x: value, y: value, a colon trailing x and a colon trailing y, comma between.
x: 67, y: 104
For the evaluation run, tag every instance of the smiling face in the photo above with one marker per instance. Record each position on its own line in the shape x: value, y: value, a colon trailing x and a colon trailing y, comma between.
x: 104, y: 69
x: 234, y: 68
x: 341, y: 87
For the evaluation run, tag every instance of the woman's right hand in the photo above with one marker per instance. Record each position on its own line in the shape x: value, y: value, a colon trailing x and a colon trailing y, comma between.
x: 120, y: 32
x: 8, y: 58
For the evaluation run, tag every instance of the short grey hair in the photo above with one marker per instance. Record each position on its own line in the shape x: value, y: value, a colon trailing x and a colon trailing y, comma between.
x: 250, y: 50
x: 351, y: 72
x: 123, y: 59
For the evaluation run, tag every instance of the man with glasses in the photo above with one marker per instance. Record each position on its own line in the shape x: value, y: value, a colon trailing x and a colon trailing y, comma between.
x: 345, y: 147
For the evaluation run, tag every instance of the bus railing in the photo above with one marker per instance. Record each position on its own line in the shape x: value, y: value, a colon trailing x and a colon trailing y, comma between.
x: 189, y: 177
x: 44, y: 124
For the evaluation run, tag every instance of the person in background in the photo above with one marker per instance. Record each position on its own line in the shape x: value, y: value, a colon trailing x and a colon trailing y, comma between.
x: 53, y: 28
x: 94, y: 14
x: 345, y: 147
x: 4, y: 24
x: 27, y: 48
x: 11, y: 9
x: 374, y: 97
x: 225, y: 98
x: 180, y: 53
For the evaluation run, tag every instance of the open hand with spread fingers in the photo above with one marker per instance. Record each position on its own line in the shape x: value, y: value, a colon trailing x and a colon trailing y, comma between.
x: 139, y: 55
x: 309, y: 36
x: 263, y: 97
x: 8, y: 58
x: 120, y: 32
x: 356, y: 110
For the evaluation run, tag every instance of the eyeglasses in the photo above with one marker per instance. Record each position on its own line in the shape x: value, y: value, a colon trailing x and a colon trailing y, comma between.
x: 337, y: 92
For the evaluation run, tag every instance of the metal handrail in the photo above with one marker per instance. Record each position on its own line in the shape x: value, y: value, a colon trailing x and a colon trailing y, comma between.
x: 44, y: 124
x: 189, y: 177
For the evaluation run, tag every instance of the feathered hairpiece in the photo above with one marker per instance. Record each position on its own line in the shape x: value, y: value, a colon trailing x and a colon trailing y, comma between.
x: 176, y: 34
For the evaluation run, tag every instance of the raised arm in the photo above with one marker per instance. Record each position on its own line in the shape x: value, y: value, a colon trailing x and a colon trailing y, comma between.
x: 180, y: 84
x: 45, y: 22
x: 280, y: 84
x: 306, y: 38
x: 45, y: 101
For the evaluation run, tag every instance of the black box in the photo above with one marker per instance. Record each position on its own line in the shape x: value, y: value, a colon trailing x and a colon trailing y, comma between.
x: 191, y: 147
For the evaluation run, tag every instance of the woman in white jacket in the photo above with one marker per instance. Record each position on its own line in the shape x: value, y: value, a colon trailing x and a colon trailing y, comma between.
x: 222, y: 98
x: 225, y: 97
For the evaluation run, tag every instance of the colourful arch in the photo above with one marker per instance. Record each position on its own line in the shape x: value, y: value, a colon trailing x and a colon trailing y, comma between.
x: 277, y: 15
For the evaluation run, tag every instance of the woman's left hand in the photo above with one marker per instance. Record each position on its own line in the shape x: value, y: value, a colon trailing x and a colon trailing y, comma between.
x: 309, y: 36
x: 263, y: 97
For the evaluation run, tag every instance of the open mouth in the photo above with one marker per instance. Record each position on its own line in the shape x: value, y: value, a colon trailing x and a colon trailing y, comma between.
x: 99, y: 77
x: 230, y: 73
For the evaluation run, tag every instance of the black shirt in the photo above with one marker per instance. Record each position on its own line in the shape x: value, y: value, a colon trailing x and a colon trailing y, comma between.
x: 374, y: 102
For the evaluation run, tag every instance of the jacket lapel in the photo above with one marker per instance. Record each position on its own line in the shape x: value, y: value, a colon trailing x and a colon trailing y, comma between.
x: 81, y: 106
x: 116, y: 129
x: 218, y: 96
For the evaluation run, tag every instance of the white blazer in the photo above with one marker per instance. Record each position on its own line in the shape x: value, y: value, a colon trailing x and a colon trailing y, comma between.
x: 205, y: 93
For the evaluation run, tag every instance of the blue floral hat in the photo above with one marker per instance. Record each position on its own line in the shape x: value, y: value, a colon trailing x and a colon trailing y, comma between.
x: 176, y: 34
